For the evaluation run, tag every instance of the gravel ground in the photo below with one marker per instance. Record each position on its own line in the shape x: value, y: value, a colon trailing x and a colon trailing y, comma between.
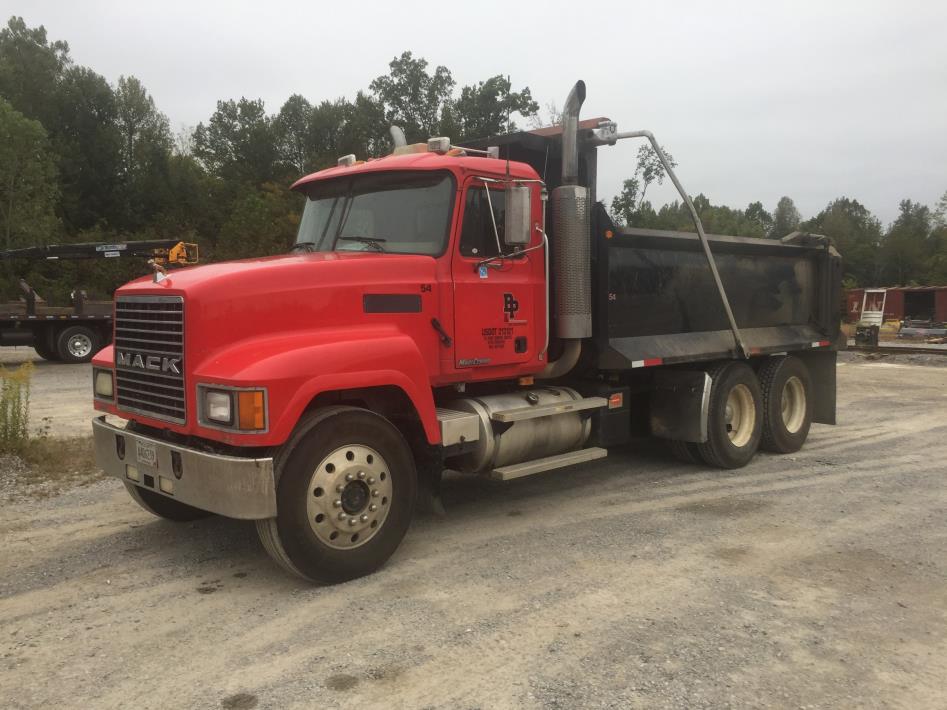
x: 816, y: 580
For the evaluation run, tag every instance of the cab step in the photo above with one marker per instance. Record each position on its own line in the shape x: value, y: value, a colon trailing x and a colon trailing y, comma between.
x: 548, y: 410
x: 528, y: 468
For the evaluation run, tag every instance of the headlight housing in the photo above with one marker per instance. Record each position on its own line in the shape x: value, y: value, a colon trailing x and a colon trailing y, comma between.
x: 232, y: 408
x: 218, y: 406
x: 103, y: 384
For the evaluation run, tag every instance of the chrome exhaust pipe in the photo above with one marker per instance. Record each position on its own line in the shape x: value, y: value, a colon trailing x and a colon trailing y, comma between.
x: 571, y: 210
x: 570, y: 133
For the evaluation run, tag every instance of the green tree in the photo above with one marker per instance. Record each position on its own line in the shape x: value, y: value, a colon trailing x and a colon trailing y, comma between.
x: 30, y: 68
x: 483, y: 108
x: 146, y: 146
x: 28, y: 189
x: 628, y: 207
x: 292, y: 131
x: 903, y: 248
x: 86, y: 137
x: 757, y: 215
x: 237, y: 144
x: 413, y: 98
x: 857, y: 235
x: 786, y: 218
x: 261, y: 222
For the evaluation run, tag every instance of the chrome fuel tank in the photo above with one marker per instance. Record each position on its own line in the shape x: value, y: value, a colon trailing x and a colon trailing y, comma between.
x: 525, y: 439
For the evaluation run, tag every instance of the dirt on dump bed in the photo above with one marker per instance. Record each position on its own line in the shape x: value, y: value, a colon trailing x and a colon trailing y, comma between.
x: 813, y: 580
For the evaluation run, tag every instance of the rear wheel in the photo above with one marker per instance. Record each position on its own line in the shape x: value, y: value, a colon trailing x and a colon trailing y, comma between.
x: 735, y: 419
x: 43, y: 349
x: 164, y: 507
x: 787, y: 406
x: 346, y: 490
x: 78, y: 344
x: 685, y: 451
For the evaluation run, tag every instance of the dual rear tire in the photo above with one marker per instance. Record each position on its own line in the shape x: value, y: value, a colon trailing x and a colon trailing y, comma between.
x: 770, y: 409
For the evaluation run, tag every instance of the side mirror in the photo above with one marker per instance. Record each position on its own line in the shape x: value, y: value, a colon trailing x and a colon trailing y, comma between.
x: 517, y: 229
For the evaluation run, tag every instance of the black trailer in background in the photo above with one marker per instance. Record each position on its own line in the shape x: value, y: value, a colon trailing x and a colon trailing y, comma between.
x: 75, y: 333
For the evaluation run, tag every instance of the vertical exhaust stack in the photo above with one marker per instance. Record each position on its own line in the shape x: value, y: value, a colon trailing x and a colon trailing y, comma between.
x: 571, y: 214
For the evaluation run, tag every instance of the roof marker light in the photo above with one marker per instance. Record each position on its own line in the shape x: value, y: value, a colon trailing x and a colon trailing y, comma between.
x: 346, y: 161
x: 440, y: 144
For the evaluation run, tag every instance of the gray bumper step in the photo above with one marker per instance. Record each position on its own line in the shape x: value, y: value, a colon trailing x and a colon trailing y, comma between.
x: 548, y: 410
x: 528, y: 468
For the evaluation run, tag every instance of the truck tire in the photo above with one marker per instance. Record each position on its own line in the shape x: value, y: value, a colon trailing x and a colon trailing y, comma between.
x: 735, y: 416
x: 42, y: 348
x: 685, y: 451
x: 787, y: 404
x: 78, y: 343
x: 346, y: 488
x: 164, y: 507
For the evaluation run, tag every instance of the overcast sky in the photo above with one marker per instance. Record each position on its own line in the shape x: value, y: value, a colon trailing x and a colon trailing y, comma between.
x: 755, y: 100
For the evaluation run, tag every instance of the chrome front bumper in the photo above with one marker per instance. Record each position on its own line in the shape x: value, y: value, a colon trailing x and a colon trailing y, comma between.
x: 227, y: 485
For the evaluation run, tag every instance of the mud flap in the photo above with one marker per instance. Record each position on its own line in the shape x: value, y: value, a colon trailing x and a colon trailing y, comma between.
x: 821, y: 365
x: 678, y: 405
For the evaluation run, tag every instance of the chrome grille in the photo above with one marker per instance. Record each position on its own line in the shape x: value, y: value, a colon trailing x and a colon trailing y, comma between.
x: 149, y: 346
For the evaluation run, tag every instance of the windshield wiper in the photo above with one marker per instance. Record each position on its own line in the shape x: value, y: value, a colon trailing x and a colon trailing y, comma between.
x: 374, y: 242
x: 310, y: 246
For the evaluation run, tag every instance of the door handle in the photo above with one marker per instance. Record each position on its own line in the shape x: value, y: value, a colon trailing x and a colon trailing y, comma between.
x: 445, y: 338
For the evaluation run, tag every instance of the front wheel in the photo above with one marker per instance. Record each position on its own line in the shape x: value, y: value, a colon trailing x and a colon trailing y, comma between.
x: 346, y: 490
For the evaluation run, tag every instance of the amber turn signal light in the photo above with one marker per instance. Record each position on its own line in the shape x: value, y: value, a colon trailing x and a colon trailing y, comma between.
x: 251, y: 410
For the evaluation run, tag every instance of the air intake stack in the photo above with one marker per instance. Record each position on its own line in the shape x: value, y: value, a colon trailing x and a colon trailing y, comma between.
x: 571, y: 231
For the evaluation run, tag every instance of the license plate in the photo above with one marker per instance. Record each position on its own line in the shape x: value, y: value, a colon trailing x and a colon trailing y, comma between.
x: 146, y: 453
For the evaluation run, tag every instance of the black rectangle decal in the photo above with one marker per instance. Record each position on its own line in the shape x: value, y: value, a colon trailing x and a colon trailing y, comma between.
x: 391, y: 303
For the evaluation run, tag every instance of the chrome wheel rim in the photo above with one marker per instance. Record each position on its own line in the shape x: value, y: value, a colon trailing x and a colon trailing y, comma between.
x: 740, y: 415
x: 793, y: 404
x: 79, y: 345
x: 349, y: 496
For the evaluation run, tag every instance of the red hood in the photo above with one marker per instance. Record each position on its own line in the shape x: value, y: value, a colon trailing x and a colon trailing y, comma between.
x: 233, y: 301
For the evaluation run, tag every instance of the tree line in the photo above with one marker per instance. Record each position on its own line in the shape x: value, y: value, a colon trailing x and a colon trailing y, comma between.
x: 85, y: 160
x: 911, y: 251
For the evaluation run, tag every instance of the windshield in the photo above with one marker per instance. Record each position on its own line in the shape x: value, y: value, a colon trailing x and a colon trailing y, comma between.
x: 401, y: 213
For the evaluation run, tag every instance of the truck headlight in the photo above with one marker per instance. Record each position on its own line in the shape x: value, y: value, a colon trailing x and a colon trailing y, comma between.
x: 241, y: 409
x: 103, y: 384
x: 218, y: 406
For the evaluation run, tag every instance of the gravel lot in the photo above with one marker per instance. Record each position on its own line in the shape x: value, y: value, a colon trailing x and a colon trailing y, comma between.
x: 814, y: 580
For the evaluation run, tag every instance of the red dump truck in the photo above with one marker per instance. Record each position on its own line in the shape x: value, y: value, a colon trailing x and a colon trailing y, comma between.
x: 468, y: 308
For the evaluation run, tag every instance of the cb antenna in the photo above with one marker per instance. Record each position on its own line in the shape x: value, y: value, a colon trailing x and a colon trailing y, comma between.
x: 509, y: 88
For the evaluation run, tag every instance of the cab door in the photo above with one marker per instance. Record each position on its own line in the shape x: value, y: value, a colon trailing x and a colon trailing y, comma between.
x: 495, y: 303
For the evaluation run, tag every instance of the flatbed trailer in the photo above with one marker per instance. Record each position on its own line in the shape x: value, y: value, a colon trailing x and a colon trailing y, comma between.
x: 75, y: 333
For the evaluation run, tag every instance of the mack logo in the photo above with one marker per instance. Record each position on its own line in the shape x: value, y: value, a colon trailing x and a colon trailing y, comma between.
x: 149, y: 362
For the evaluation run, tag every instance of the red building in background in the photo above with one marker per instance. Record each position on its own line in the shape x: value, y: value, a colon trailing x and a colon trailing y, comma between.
x: 916, y: 302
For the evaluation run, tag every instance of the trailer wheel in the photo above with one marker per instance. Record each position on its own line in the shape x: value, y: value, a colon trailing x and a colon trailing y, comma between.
x: 685, y: 451
x: 735, y: 416
x: 164, y: 507
x: 78, y: 343
x: 345, y: 493
x: 787, y: 406
x: 42, y: 348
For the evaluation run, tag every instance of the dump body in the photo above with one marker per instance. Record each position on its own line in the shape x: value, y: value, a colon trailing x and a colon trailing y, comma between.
x: 656, y: 302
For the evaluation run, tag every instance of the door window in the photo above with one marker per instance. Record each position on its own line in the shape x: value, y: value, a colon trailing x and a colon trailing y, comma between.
x: 477, y: 238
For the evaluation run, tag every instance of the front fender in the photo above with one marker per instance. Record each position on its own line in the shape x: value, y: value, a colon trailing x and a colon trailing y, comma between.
x: 298, y: 366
